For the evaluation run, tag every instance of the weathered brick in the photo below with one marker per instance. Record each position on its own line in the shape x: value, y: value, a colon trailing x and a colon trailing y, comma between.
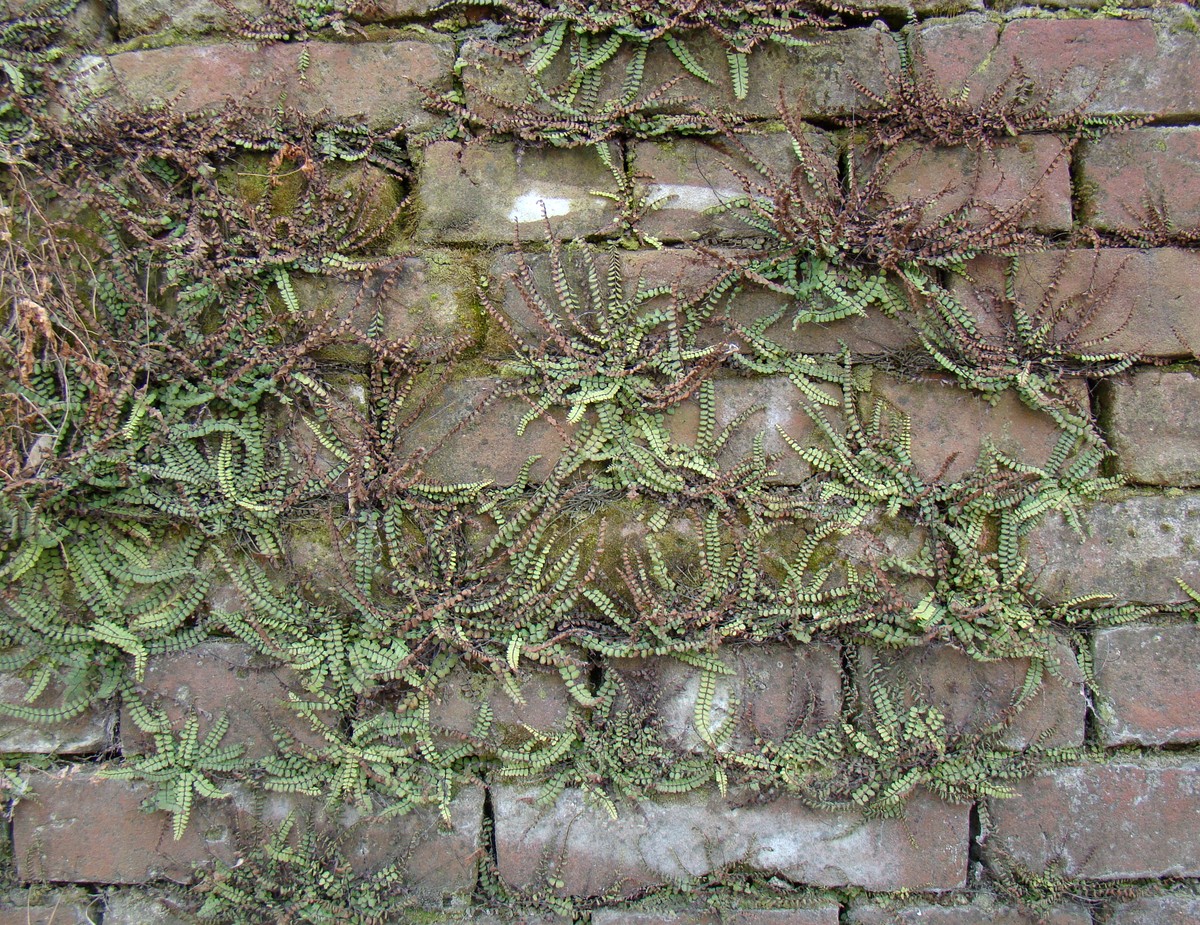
x: 771, y: 692
x: 1117, y: 300
x: 363, y: 205
x: 1102, y: 821
x: 1029, y: 175
x: 1149, y: 684
x: 1150, y: 427
x: 422, y: 299
x: 389, y: 10
x: 974, y: 695
x: 1134, y: 548
x: 816, y: 915
x: 486, y: 447
x: 691, y: 272
x: 317, y: 551
x: 138, y: 907
x: 1105, y: 65
x: 492, y: 193
x: 782, y: 408
x: 434, y: 860
x: 217, y: 679
x: 1125, y: 178
x: 812, y: 79
x: 547, y: 708
x: 196, y: 17
x: 633, y: 917
x: 656, y: 842
x: 64, y: 907
x: 184, y: 17
x: 950, y: 425
x: 379, y: 83
x: 86, y: 733
x: 826, y: 914
x: 977, y: 913
x: 687, y: 178
x: 75, y: 826
x: 483, y: 918
x: 1156, y: 910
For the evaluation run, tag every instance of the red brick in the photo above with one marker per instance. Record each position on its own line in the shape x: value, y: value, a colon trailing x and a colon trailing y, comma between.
x: 1109, y: 65
x: 1030, y: 174
x: 656, y: 842
x: 1149, y: 684
x: 771, y: 692
x: 950, y: 425
x: 685, y: 179
x: 1126, y: 177
x: 87, y: 733
x: 1133, y: 301
x: 217, y: 679
x: 1134, y: 548
x: 952, y: 53
x: 74, y: 826
x: 811, y: 79
x: 376, y: 82
x: 487, y: 448
x: 493, y: 193
x: 1102, y: 821
x: 77, y: 827
x: 974, y: 695
x: 1150, y: 428
x: 977, y: 913
x: 1156, y: 910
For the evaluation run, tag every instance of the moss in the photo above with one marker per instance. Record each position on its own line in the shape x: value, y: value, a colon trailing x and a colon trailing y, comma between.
x: 458, y: 272
x: 1187, y: 22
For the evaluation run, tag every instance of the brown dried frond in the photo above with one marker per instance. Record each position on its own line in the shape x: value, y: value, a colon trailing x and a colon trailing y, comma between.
x: 1154, y: 228
x: 811, y: 212
x: 912, y: 106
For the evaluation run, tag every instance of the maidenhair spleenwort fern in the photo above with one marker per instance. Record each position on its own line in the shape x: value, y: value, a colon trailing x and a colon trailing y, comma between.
x: 299, y: 874
x: 615, y: 364
x: 587, y: 37
x: 181, y: 767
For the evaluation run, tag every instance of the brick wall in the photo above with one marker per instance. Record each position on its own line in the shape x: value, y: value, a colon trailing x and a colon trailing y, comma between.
x: 1084, y: 711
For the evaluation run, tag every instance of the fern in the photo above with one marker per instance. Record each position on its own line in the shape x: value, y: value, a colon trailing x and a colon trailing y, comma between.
x: 181, y: 767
